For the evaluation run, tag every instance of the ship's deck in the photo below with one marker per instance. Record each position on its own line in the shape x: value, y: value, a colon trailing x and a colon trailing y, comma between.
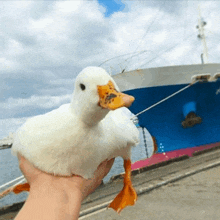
x: 188, y: 188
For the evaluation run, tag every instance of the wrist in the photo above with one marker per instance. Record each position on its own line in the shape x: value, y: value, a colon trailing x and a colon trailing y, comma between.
x: 50, y: 202
x: 57, y: 188
x: 60, y: 186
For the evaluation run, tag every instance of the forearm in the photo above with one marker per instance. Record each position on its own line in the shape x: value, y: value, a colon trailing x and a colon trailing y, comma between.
x: 51, y: 204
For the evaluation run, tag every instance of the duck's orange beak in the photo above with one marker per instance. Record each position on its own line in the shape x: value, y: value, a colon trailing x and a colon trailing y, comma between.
x: 111, y: 99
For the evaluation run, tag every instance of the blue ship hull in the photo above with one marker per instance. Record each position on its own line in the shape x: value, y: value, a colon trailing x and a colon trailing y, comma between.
x: 164, y: 121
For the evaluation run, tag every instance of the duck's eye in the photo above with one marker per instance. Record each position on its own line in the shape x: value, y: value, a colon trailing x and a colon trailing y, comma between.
x: 82, y: 86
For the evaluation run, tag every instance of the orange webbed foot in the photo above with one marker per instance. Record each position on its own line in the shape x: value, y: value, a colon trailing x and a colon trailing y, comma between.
x: 21, y: 187
x: 128, y: 195
x: 16, y: 189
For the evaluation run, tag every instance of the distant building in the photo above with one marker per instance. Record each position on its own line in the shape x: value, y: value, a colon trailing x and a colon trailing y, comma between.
x: 7, y: 141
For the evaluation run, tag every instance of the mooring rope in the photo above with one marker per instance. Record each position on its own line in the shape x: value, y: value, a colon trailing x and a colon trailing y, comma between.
x: 163, y: 100
x: 135, y: 118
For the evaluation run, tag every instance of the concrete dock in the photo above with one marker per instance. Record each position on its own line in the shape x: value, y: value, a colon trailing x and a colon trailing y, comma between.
x: 184, y: 188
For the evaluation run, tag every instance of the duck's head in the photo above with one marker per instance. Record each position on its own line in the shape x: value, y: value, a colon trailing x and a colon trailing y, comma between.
x: 96, y: 93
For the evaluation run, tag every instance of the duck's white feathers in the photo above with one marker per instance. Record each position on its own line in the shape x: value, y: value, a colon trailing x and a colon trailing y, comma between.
x: 63, y: 146
x: 59, y: 142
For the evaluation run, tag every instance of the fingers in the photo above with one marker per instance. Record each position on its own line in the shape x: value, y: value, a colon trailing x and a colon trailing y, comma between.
x: 29, y: 171
x: 91, y: 184
x: 103, y: 169
x: 110, y: 162
x: 19, y: 156
x: 21, y: 160
x: 109, y: 165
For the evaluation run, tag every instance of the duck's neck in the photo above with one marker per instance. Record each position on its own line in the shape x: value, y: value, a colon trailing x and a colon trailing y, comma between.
x: 89, y: 115
x: 94, y: 118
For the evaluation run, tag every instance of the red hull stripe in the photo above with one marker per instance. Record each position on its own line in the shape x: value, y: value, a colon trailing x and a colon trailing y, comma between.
x: 161, y: 157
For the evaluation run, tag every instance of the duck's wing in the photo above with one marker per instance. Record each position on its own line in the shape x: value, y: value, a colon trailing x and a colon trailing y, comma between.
x: 124, y: 125
x: 42, y: 129
x: 47, y: 141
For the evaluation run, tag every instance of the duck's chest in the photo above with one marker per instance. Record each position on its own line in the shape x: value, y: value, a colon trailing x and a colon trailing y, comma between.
x: 97, y: 140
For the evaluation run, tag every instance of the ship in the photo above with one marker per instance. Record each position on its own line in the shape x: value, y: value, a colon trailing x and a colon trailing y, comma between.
x: 177, y: 105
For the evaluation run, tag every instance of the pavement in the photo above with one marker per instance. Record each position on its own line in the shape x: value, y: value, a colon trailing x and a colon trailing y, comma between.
x: 185, y: 189
x: 195, y: 197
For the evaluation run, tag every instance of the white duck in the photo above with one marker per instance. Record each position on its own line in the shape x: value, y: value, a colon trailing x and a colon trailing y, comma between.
x: 77, y: 137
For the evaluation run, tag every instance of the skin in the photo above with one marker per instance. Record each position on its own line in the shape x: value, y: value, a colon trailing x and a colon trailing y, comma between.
x: 55, y: 197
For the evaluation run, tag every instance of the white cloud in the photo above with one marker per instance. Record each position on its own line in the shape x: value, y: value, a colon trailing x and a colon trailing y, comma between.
x: 45, y: 102
x: 68, y: 6
x: 44, y: 44
x: 10, y: 125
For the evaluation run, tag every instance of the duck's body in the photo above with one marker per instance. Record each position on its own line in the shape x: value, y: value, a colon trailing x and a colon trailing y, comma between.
x: 77, y: 137
x: 59, y: 143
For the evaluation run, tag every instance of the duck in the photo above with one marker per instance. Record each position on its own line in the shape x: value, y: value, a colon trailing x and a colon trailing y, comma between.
x: 76, y: 137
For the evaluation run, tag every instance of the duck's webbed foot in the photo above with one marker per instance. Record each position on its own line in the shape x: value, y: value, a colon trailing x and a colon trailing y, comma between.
x: 128, y: 195
x: 21, y: 187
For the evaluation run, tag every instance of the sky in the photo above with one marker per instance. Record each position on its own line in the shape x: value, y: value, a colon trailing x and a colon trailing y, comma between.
x: 45, y: 44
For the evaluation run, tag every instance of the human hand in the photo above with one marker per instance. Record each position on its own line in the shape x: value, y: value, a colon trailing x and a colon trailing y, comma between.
x: 57, y: 197
x: 42, y: 180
